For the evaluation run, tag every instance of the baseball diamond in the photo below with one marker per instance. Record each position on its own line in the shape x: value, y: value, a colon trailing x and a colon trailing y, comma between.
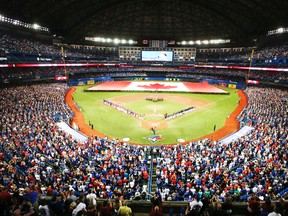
x: 193, y: 115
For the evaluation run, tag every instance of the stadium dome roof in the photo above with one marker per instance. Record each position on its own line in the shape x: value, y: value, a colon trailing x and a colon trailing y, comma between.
x: 152, y: 19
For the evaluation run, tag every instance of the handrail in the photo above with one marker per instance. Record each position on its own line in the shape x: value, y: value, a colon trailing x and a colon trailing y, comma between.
x: 150, y: 176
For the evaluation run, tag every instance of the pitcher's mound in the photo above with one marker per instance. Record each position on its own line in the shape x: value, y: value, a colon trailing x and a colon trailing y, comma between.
x: 159, y: 124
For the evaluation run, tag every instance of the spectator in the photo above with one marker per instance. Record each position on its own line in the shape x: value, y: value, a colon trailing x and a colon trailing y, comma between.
x: 91, y: 198
x: 195, y: 207
x: 277, y: 210
x: 43, y: 208
x: 106, y: 208
x: 5, y: 200
x: 57, y: 204
x: 124, y: 210
x: 81, y: 207
x: 156, y: 210
x: 116, y: 205
x: 266, y: 207
x: 253, y: 207
x: 227, y: 207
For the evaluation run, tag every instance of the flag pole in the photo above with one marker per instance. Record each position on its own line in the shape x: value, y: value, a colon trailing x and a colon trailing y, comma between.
x: 248, y: 74
x: 63, y: 58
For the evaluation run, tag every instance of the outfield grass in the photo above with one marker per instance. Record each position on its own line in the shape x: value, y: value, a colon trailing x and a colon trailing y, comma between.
x: 193, y: 125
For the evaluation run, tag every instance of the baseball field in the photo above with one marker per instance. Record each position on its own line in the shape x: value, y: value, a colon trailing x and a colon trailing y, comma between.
x: 132, y: 115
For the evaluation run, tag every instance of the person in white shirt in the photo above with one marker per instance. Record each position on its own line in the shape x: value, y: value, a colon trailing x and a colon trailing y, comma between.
x: 196, y: 202
x: 91, y: 198
x: 80, y: 207
x: 43, y: 207
x: 277, y: 210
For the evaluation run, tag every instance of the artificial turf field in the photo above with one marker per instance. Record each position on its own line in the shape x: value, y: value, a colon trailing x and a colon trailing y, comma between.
x: 210, y: 110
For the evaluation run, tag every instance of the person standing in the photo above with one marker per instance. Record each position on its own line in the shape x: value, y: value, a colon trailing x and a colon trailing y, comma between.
x: 91, y: 197
x: 105, y: 209
x: 277, y: 210
x: 124, y: 210
x: 154, y: 129
x: 253, y: 206
x: 5, y: 200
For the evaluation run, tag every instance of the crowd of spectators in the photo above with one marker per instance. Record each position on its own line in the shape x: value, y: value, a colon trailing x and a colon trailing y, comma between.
x: 272, y: 52
x: 37, y: 158
x: 15, y: 73
x: 17, y: 44
x: 25, y: 45
x: 256, y: 163
x: 268, y: 52
x: 234, y: 75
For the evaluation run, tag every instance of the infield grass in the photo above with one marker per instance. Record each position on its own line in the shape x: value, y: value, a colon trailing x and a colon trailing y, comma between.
x: 190, y: 126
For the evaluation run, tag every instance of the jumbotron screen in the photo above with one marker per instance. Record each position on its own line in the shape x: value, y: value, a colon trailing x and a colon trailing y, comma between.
x: 166, y: 56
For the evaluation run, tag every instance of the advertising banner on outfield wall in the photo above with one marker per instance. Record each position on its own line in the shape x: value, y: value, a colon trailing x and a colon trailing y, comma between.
x: 232, y: 86
x: 88, y: 81
x: 227, y: 83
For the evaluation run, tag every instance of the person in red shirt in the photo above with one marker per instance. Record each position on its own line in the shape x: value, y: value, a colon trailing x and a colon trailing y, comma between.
x: 50, y: 191
x: 156, y: 211
x: 105, y: 209
x: 253, y: 206
x: 5, y: 200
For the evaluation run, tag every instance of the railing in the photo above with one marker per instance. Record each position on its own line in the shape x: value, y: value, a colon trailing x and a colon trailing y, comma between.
x: 150, y: 181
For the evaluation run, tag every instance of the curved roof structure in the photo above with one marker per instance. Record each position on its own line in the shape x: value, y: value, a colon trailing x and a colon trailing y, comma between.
x: 152, y: 19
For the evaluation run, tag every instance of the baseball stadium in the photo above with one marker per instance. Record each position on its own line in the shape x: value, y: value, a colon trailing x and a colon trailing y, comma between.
x: 137, y: 108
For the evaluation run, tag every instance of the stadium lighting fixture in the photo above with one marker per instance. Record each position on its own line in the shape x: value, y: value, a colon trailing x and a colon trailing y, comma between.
x: 116, y: 41
x: 36, y: 26
x: 280, y: 30
x: 109, y: 40
x: 205, y: 42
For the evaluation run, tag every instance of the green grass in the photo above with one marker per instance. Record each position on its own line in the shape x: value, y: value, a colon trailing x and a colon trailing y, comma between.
x: 193, y: 125
x: 163, y: 107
